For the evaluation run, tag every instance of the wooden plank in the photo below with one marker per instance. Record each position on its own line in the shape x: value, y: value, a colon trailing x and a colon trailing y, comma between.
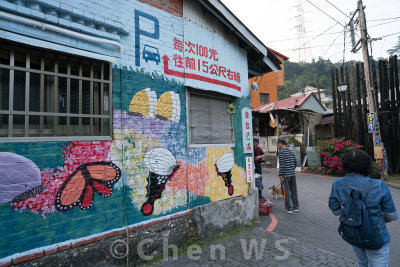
x: 349, y: 106
x: 335, y: 111
x: 384, y: 103
x: 391, y: 117
x: 343, y: 96
x: 339, y: 102
x: 380, y: 104
x: 355, y: 119
x: 396, y: 126
x: 375, y: 83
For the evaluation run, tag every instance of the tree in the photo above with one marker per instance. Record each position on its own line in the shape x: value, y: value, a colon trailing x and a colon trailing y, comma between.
x: 396, y: 48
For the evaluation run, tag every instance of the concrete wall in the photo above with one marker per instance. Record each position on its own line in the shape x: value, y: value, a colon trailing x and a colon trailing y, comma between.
x: 142, y: 89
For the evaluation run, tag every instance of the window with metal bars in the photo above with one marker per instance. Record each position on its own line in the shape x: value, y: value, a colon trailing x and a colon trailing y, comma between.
x: 45, y: 95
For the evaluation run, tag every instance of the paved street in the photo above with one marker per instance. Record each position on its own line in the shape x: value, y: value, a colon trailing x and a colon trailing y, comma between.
x: 314, y: 224
x: 309, y: 237
x: 277, y: 251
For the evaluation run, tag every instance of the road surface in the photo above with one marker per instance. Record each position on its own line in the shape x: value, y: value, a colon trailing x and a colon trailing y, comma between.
x: 315, y: 224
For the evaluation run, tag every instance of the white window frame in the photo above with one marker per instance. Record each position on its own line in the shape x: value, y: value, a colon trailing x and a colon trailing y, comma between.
x: 24, y: 136
x: 209, y: 94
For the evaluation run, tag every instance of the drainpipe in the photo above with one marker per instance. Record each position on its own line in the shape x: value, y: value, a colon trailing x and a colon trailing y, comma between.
x: 53, y: 28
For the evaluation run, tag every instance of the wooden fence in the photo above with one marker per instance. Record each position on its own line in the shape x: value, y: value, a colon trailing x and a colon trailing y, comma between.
x: 385, y: 78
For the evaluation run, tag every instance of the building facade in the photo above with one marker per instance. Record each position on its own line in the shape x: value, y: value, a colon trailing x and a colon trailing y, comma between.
x: 116, y: 114
x: 268, y: 83
x: 326, y: 95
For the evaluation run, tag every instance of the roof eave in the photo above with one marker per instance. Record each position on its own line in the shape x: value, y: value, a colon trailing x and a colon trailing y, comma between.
x: 222, y: 13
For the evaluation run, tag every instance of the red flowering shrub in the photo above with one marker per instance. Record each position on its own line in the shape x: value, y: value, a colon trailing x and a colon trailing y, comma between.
x: 331, y: 153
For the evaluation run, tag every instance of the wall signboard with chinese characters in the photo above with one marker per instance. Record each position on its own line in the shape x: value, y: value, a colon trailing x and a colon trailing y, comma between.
x: 249, y: 169
x: 247, y: 130
x: 208, y: 61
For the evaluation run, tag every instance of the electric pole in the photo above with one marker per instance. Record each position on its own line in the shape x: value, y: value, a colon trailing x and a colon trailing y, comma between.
x: 373, y: 114
x: 316, y: 78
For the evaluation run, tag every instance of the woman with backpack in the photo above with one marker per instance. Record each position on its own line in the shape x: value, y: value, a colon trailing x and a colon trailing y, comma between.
x: 364, y: 205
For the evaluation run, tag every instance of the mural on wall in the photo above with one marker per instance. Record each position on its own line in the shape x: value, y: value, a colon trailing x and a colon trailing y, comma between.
x: 80, y: 186
x: 168, y: 107
x: 215, y: 188
x: 43, y: 185
x: 148, y: 164
x: 143, y: 103
x: 224, y: 166
x: 19, y: 178
x: 162, y: 166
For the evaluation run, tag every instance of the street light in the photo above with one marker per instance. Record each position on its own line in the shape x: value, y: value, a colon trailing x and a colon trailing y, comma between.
x: 342, y: 89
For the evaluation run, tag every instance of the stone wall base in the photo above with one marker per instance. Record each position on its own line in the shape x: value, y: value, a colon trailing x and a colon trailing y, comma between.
x: 110, y: 250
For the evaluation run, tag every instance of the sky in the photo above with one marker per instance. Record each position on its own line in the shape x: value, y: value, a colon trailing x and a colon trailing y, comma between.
x: 276, y: 23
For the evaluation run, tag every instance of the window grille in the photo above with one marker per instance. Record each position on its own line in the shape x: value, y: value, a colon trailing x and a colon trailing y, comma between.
x: 47, y: 94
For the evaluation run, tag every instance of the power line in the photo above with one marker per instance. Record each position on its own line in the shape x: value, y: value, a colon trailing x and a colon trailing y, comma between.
x: 322, y: 33
x: 325, y: 13
x: 389, y: 35
x: 330, y: 33
x: 316, y: 46
x: 338, y: 9
x: 383, y: 23
x: 383, y: 19
x: 331, y: 45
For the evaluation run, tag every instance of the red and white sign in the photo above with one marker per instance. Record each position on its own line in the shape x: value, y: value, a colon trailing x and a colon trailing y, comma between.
x: 249, y: 169
x: 247, y: 130
x: 207, y: 61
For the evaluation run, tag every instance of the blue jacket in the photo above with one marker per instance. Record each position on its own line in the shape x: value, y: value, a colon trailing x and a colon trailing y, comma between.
x: 378, y: 199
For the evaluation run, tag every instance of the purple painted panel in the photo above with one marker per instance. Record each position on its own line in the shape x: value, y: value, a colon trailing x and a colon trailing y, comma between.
x: 19, y: 176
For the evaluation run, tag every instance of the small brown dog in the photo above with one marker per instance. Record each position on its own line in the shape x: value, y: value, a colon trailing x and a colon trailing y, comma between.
x: 274, y: 190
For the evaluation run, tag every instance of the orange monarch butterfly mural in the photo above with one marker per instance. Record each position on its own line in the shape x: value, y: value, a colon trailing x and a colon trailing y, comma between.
x: 79, y: 188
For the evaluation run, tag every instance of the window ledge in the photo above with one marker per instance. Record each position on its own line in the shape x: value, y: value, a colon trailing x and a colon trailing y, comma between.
x: 53, y: 139
x: 211, y: 145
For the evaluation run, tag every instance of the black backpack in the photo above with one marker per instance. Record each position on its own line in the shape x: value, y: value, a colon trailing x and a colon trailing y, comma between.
x: 356, y: 226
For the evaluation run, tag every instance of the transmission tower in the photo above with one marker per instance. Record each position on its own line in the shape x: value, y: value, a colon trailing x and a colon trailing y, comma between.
x: 303, y: 50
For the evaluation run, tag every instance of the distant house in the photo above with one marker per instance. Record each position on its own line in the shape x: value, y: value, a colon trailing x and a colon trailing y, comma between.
x: 268, y: 84
x: 296, y: 116
x: 326, y: 95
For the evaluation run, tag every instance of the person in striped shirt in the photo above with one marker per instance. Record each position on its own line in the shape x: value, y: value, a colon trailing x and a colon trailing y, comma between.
x: 287, y: 175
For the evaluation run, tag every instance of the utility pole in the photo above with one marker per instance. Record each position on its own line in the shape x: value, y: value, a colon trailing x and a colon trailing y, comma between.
x: 317, y: 84
x: 378, y: 148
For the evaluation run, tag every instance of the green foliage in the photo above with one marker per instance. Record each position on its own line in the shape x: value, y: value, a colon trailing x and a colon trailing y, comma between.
x: 396, y: 48
x: 300, y: 75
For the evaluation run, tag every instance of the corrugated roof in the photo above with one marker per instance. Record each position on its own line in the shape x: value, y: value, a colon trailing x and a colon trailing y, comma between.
x: 287, y: 103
